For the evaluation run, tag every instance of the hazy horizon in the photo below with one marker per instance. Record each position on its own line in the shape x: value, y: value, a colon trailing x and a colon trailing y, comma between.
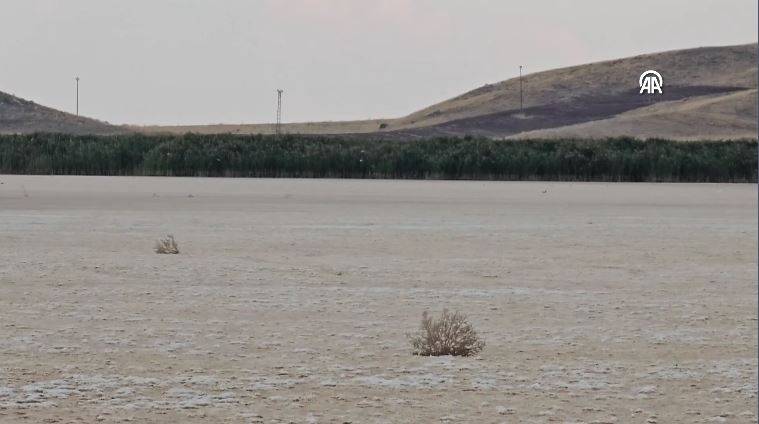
x: 194, y: 62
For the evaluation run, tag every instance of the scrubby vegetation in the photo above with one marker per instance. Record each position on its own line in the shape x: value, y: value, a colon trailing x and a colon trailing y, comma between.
x: 451, y: 334
x: 443, y: 158
x: 167, y: 246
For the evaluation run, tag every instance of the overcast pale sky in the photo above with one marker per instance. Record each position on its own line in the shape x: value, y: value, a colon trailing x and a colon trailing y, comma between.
x: 212, y: 61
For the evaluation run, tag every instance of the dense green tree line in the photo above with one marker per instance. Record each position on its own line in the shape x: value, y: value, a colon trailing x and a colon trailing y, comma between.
x: 618, y: 159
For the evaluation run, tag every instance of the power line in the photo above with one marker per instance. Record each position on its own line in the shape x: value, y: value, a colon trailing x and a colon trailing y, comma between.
x: 278, y: 128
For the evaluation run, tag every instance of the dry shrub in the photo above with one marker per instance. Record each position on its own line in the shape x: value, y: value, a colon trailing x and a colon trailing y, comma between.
x: 451, y: 334
x: 167, y: 246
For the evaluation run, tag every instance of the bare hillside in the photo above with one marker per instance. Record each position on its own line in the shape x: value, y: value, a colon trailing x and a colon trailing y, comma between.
x: 709, y: 93
x: 728, y: 116
x: 19, y: 116
x: 686, y: 73
x: 571, y: 101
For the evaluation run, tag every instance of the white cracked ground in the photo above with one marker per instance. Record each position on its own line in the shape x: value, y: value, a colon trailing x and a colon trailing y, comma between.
x: 291, y: 301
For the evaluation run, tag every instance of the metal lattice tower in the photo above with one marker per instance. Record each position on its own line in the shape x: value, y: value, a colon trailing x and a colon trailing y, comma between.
x: 278, y: 128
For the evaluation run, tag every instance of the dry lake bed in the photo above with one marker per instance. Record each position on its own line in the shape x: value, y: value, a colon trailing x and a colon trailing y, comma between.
x: 291, y: 301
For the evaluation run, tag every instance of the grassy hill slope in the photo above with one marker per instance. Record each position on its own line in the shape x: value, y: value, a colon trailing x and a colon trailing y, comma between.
x: 19, y: 116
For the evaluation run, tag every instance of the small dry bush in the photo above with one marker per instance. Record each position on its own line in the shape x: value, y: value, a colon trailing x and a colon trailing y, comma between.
x: 167, y: 246
x: 451, y: 334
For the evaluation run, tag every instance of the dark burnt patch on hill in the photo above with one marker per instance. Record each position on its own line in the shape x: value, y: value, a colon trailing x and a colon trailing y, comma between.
x: 554, y: 115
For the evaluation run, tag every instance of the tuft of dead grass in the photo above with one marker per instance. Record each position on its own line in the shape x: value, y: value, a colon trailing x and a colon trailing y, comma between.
x: 451, y: 334
x: 167, y: 246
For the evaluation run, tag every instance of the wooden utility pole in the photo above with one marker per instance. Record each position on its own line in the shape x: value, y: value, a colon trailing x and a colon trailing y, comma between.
x: 77, y: 96
x: 521, y: 91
